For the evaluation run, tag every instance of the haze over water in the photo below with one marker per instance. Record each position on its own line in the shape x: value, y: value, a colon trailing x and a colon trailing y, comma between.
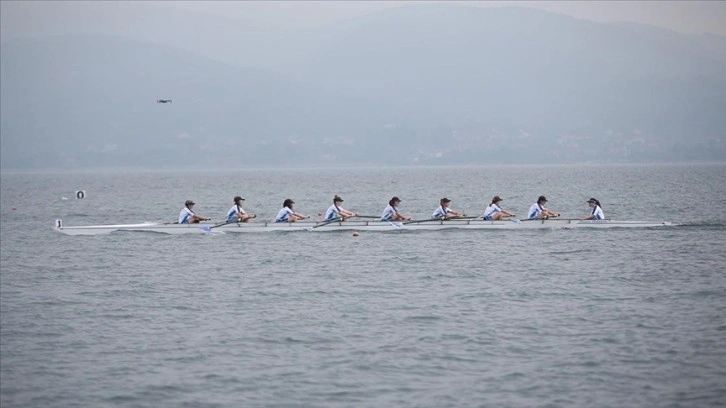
x: 599, y: 318
x: 410, y: 83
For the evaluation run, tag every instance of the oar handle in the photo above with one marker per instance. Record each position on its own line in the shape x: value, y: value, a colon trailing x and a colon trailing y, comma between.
x: 424, y: 220
x: 336, y: 219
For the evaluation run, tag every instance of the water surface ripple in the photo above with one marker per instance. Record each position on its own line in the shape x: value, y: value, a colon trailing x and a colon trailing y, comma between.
x: 546, y: 318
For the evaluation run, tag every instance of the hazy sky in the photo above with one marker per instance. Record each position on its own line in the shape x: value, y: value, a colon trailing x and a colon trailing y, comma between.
x: 693, y: 17
x: 300, y: 76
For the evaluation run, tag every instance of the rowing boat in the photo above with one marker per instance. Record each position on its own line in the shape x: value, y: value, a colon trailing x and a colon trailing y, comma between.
x: 348, y: 225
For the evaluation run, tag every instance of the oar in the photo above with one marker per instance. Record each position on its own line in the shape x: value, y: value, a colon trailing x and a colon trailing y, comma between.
x: 396, y: 225
x: 418, y: 221
x: 461, y: 217
x: 514, y: 220
x: 208, y: 228
x: 368, y: 216
x: 336, y: 219
x: 439, y: 219
x: 505, y: 218
x: 468, y: 217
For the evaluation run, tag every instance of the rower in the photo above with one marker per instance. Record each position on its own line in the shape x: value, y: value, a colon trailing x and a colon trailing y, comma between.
x: 494, y: 212
x: 286, y: 213
x: 596, y: 213
x: 336, y: 211
x: 444, y: 212
x: 538, y: 211
x: 188, y: 216
x: 237, y: 213
x: 390, y: 213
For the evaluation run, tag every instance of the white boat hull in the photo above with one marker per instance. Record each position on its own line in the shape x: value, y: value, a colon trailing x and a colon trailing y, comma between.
x: 350, y: 225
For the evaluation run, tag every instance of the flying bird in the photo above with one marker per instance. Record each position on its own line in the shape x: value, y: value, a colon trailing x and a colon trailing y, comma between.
x: 163, y: 101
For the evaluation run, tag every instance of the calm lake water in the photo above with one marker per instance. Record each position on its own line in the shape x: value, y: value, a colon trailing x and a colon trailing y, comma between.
x: 551, y: 318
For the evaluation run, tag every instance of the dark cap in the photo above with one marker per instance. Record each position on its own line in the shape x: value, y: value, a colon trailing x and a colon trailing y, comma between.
x: 593, y: 201
x: 189, y: 202
x: 445, y: 200
x: 337, y: 199
x: 395, y: 199
x: 542, y: 199
x: 288, y: 202
x: 238, y: 198
x: 496, y: 199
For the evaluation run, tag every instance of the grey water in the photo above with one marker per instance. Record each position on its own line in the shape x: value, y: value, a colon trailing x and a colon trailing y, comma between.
x: 515, y: 318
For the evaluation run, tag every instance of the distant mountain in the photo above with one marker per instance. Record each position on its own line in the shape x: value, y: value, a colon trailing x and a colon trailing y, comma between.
x: 72, y: 101
x: 417, y: 84
x: 539, y: 71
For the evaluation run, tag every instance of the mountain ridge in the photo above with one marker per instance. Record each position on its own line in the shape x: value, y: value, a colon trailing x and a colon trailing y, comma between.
x: 392, y: 94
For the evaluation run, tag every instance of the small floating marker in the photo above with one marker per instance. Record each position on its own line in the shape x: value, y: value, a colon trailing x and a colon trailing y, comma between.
x: 80, y: 194
x: 14, y: 208
x: 355, y: 234
x: 64, y: 198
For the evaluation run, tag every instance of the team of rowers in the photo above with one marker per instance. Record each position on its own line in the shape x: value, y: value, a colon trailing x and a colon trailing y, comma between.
x: 335, y: 212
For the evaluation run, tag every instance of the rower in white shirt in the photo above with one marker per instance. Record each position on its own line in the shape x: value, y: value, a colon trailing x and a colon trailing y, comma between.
x: 596, y: 213
x: 494, y: 212
x: 390, y: 213
x: 237, y: 213
x: 336, y: 211
x: 188, y: 216
x: 286, y: 213
x: 444, y: 212
x: 538, y: 211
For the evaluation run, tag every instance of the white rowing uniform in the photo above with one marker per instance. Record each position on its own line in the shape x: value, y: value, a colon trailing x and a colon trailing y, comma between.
x: 284, y: 215
x: 597, y: 212
x: 235, y: 213
x: 184, y: 215
x: 441, y: 212
x: 490, y: 211
x: 388, y: 213
x: 534, y: 211
x: 333, y: 212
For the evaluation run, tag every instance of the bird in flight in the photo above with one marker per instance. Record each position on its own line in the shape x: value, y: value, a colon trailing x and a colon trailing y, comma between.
x: 163, y: 101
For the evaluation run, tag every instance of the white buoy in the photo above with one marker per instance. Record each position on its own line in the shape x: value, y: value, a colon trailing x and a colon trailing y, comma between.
x: 355, y: 234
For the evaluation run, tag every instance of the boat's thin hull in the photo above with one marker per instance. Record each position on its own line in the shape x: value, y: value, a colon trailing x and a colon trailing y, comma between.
x: 353, y: 225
